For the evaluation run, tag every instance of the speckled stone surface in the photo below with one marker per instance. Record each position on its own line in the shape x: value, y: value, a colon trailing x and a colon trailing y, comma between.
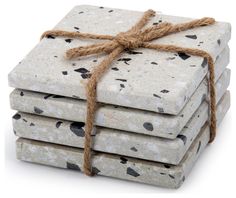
x: 113, y: 116
x: 132, y: 169
x: 113, y: 141
x: 142, y: 78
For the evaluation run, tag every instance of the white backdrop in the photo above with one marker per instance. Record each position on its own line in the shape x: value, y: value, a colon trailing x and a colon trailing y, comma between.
x: 22, y: 23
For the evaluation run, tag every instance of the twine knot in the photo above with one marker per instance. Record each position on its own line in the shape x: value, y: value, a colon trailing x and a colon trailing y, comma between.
x: 129, y: 40
x: 135, y: 37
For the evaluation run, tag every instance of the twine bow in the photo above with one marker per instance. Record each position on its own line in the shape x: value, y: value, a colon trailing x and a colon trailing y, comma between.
x: 136, y: 37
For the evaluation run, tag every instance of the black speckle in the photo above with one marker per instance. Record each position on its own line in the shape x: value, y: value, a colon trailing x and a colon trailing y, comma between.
x: 72, y: 166
x: 76, y: 28
x: 183, y: 179
x: 14, y: 132
x: 148, y: 126
x: 21, y: 93
x: 95, y: 170
x: 192, y: 65
x: 123, y: 160
x: 123, y: 80
x: 132, y: 172
x: 115, y: 68
x: 25, y: 120
x: 162, y: 173
x: 68, y: 40
x: 82, y: 70
x: 95, y: 61
x: 183, y: 138
x: 199, y: 44
x: 165, y: 91
x: 126, y: 60
x: 17, y: 116
x: 55, y: 56
x: 86, y: 75
x: 182, y: 115
x: 133, y: 52
x: 73, y: 64
x: 48, y: 96
x: 199, y: 146
x: 32, y: 124
x: 64, y: 72
x: 183, y: 55
x: 155, y: 95
x: 101, y: 7
x: 58, y: 124
x: 160, y: 109
x: 76, y: 128
x: 219, y: 42
x: 191, y: 36
x: 122, y: 85
x: 154, y: 63
x: 38, y: 110
x: 81, y: 12
x: 171, y: 176
x: 50, y: 37
x: 204, y: 62
x: 166, y: 166
x: 133, y: 149
x: 110, y: 10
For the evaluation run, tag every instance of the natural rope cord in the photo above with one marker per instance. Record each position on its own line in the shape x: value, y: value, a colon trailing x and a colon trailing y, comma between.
x: 133, y: 38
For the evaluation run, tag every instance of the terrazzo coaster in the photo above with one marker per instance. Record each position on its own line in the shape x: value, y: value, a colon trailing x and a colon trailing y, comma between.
x: 111, y: 116
x: 113, y: 141
x: 119, y: 166
x: 142, y: 78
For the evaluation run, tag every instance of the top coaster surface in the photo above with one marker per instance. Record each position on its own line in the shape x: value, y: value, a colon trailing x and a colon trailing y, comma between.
x: 141, y: 78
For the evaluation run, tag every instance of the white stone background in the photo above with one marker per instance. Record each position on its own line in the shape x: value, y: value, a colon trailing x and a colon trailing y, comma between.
x: 22, y: 23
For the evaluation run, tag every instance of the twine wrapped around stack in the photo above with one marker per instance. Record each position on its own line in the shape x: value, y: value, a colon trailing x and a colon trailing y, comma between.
x: 131, y: 39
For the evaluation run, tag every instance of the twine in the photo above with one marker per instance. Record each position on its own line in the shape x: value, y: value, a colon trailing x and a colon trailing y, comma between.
x: 136, y: 37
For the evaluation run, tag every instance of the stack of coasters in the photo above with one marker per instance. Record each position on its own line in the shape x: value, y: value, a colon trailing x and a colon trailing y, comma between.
x: 151, y: 122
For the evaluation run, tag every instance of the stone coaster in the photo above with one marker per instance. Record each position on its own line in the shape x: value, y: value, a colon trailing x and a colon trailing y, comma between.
x: 141, y: 78
x: 132, y: 169
x: 112, y: 116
